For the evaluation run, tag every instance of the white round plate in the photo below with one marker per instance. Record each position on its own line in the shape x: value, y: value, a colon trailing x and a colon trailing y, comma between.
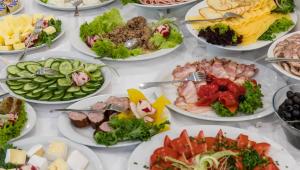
x: 79, y: 45
x: 85, y: 135
x: 268, y: 79
x: 59, y: 54
x: 94, y: 161
x: 141, y: 155
x: 31, y: 121
x: 16, y: 11
x: 161, y: 7
x: 271, y: 55
x: 194, y: 11
x: 70, y: 7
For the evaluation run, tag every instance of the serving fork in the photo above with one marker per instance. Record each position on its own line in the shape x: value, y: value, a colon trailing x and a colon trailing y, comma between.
x: 76, y: 3
x: 195, y: 77
x: 282, y: 59
x: 227, y: 15
x: 40, y: 72
x: 110, y: 107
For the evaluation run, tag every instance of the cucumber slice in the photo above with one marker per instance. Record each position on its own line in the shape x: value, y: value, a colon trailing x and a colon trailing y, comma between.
x: 54, y: 76
x: 96, y: 74
x: 13, y: 69
x: 38, y: 90
x: 73, y: 89
x: 32, y: 96
x: 55, y: 65
x: 24, y: 80
x: 40, y: 79
x: 16, y: 87
x: 53, y: 86
x: 93, y: 84
x: 57, y: 97
x: 87, y: 89
x: 11, y: 76
x: 97, y: 79
x: 24, y: 73
x: 68, y: 96
x: 58, y: 92
x: 64, y: 82
x: 48, y: 62
x: 65, y: 68
x: 19, y: 92
x: 32, y: 68
x: 76, y: 64
x: 13, y: 83
x: 30, y: 86
x: 22, y: 65
x: 46, y: 96
x: 91, y: 67
x: 79, y: 94
x: 46, y: 91
x: 42, y: 62
x: 49, y: 83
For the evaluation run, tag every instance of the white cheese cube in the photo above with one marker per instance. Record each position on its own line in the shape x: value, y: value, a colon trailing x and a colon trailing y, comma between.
x: 59, y: 164
x: 15, y: 156
x: 77, y: 161
x: 49, y: 30
x: 36, y: 150
x: 57, y: 150
x: 39, y: 162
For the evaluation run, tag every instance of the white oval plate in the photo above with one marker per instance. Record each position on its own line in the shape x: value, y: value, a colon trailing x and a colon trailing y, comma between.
x: 165, y: 6
x: 72, y: 8
x: 16, y: 11
x: 79, y: 45
x: 59, y: 54
x: 141, y: 155
x: 37, y: 47
x: 94, y: 161
x: 268, y: 79
x: 259, y: 44
x: 31, y: 121
x: 85, y: 135
x: 271, y: 55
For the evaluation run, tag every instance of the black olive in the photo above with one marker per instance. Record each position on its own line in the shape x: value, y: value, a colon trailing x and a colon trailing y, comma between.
x: 289, y: 108
x: 296, y: 99
x: 222, y: 88
x: 297, y: 94
x: 288, y: 102
x: 296, y: 106
x: 242, y: 98
x: 282, y: 106
x: 288, y: 116
x: 296, y: 114
x: 290, y: 94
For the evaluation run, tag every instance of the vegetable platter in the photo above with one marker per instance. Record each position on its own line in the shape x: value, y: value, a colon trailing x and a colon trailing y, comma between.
x: 262, y: 153
x: 234, y: 90
x: 241, y: 33
x: 105, y: 36
x: 76, y: 77
x: 139, y: 120
x: 159, y: 4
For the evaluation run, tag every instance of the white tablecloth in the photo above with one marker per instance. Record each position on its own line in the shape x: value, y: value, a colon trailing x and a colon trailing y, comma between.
x: 133, y: 73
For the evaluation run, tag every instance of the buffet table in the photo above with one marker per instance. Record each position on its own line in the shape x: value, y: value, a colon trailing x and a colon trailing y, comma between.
x: 133, y: 73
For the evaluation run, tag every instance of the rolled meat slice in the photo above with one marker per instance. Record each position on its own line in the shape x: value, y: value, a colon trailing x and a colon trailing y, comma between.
x: 105, y: 127
x: 96, y: 119
x: 78, y: 119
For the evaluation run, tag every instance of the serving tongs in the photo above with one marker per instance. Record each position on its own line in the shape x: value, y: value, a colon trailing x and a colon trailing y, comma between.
x: 110, y: 107
x: 274, y: 60
x: 227, y: 15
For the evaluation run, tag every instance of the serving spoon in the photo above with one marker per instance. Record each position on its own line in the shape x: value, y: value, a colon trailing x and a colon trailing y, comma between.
x: 227, y: 15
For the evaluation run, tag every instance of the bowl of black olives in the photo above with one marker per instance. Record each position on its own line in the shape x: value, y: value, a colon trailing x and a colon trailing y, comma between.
x: 286, y: 103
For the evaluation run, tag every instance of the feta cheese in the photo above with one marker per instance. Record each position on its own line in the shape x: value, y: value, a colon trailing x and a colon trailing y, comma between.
x: 39, y: 162
x: 59, y: 164
x: 57, y: 150
x: 36, y: 150
x: 77, y: 161
x: 15, y: 156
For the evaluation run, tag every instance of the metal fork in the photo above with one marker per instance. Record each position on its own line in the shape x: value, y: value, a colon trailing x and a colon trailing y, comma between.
x: 76, y: 3
x: 282, y: 59
x: 195, y: 76
x: 110, y: 107
x: 37, y: 29
x: 40, y: 72
x: 227, y: 15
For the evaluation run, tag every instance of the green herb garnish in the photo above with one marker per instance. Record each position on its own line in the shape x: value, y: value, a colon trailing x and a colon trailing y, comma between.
x: 221, y: 110
x: 285, y: 6
x: 253, y: 98
x: 251, y: 159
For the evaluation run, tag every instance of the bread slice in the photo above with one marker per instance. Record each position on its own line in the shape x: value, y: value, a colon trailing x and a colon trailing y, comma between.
x: 209, y: 13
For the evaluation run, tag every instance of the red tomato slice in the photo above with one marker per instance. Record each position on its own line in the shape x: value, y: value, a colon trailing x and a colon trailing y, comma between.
x: 236, y: 90
x: 186, y: 138
x: 262, y: 148
x: 242, y: 141
x: 167, y: 141
x: 227, y: 99
x: 210, y: 141
x: 159, y: 154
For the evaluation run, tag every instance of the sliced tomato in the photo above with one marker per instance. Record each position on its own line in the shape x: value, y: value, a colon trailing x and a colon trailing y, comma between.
x: 167, y: 141
x: 227, y: 99
x: 242, y: 141
x: 236, y: 90
x: 251, y: 144
x: 271, y: 166
x: 159, y: 154
x: 262, y: 148
x: 186, y: 138
x: 210, y: 142
x: 239, y: 164
x: 222, y: 82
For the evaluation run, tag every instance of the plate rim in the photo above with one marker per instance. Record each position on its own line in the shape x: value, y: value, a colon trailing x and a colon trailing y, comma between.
x: 165, y: 6
x: 229, y: 129
x: 180, y: 111
x: 63, y: 118
x: 202, y: 4
x: 60, y: 54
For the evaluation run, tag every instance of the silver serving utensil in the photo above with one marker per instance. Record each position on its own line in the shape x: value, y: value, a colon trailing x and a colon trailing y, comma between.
x: 131, y: 43
x: 282, y: 59
x: 195, y: 76
x: 293, y: 121
x: 40, y: 72
x: 76, y: 3
x: 227, y: 15
x: 37, y: 29
x: 109, y: 107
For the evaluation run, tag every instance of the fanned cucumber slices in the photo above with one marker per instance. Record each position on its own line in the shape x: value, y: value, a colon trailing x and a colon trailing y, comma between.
x: 58, y: 87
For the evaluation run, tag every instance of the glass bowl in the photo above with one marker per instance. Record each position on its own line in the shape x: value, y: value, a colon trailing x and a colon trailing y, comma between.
x: 292, y: 133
